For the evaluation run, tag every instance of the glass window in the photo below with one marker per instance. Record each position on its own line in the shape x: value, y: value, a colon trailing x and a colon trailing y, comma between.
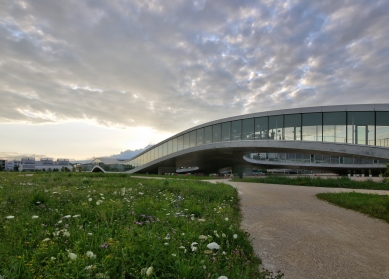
x: 180, y: 143
x: 275, y: 127
x: 226, y: 131
x: 248, y: 129
x: 236, y: 130
x: 158, y: 151
x: 312, y: 126
x: 192, y: 138
x: 164, y: 149
x: 186, y: 141
x: 200, y: 136
x: 382, y: 128
x: 174, y: 148
x: 217, y: 133
x: 261, y: 128
x: 361, y: 128
x: 169, y: 147
x: 334, y: 126
x: 292, y: 127
x: 208, y: 134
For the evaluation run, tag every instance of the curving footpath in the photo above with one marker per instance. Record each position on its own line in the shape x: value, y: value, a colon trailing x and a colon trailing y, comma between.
x: 305, y: 237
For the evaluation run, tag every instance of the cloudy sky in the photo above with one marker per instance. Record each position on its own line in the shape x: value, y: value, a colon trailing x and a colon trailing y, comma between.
x: 90, y: 78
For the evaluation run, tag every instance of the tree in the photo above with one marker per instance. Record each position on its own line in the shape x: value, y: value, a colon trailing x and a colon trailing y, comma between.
x: 1, y: 168
x: 16, y: 167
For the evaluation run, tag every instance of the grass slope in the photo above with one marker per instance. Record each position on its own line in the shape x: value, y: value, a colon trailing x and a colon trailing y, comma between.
x: 91, y: 225
x: 370, y: 204
x: 341, y: 182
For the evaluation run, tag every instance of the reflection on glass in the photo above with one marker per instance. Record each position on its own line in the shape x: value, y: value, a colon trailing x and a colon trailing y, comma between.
x: 200, y: 136
x: 208, y: 134
x: 169, y: 147
x: 275, y: 127
x: 236, y: 130
x: 334, y: 127
x: 180, y: 143
x: 226, y: 131
x: 261, y: 128
x: 217, y: 133
x: 192, y: 139
x: 164, y: 149
x: 360, y: 128
x: 292, y: 127
x: 312, y: 126
x: 175, y: 145
x: 382, y: 128
x: 186, y: 140
x: 248, y: 129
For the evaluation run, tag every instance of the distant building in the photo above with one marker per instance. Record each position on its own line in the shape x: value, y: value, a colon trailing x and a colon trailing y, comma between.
x: 10, y: 166
x: 27, y: 164
x: 3, y: 164
x: 47, y: 164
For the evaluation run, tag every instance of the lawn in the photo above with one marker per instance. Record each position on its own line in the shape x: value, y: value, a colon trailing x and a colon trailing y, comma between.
x: 93, y: 225
x: 373, y: 205
x: 341, y: 182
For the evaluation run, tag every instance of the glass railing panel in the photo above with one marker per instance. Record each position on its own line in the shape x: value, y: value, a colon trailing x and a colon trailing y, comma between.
x: 200, y: 136
x: 292, y: 127
x: 261, y: 128
x: 334, y: 127
x: 208, y: 134
x: 226, y: 131
x: 236, y: 130
x: 217, y: 133
x: 248, y: 129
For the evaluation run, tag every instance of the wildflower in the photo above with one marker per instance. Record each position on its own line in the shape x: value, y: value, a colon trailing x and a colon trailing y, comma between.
x: 67, y: 216
x: 149, y: 271
x: 123, y: 191
x: 194, y: 248
x: 140, y: 193
x: 53, y: 258
x: 35, y: 217
x: 226, y: 218
x: 88, y: 267
x: 90, y: 199
x: 224, y: 252
x: 207, y: 252
x: 223, y: 235
x: 10, y: 217
x: 66, y: 233
x: 174, y: 255
x: 90, y: 254
x: 90, y: 234
x: 213, y: 245
x: 235, y: 236
x: 181, y: 247
x: 204, y: 266
x: 60, y: 221
x: 46, y: 239
x: 105, y: 245
x: 97, y: 203
x: 72, y: 256
x: 166, y: 244
x: 222, y: 277
x: 75, y: 216
x: 201, y: 220
x: 203, y: 237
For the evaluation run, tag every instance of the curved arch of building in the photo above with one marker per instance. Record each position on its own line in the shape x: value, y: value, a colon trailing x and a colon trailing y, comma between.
x: 350, y: 130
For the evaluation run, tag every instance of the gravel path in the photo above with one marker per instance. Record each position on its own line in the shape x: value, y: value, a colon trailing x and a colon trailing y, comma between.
x: 305, y: 237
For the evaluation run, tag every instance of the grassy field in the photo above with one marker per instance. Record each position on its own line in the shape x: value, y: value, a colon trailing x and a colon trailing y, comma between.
x: 341, y: 182
x: 91, y: 225
x: 180, y: 176
x: 371, y: 204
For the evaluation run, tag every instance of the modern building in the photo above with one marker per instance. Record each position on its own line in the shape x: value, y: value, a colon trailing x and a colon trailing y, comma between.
x: 328, y: 138
x: 10, y: 166
x: 48, y: 164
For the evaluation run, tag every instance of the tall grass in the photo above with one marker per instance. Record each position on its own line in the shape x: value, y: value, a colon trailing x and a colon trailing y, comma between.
x: 341, y: 182
x: 70, y: 225
x: 371, y: 204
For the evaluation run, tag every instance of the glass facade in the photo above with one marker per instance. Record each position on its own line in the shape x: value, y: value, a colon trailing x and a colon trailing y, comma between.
x: 363, y: 128
x: 334, y: 127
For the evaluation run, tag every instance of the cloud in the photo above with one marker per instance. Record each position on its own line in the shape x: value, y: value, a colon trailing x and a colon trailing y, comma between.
x: 169, y: 65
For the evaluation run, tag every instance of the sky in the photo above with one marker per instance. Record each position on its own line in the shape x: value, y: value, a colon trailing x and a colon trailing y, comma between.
x: 82, y: 79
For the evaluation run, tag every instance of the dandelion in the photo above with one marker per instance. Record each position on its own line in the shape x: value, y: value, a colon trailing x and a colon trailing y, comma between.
x: 149, y: 271
x: 90, y: 255
x: 35, y: 217
x: 10, y: 217
x: 213, y: 245
x: 72, y: 256
x: 235, y: 236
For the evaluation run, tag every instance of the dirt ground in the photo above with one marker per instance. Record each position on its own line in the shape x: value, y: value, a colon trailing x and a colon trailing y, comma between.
x: 305, y: 237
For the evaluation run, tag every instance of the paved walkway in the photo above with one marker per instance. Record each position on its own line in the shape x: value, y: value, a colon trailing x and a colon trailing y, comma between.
x: 305, y: 237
